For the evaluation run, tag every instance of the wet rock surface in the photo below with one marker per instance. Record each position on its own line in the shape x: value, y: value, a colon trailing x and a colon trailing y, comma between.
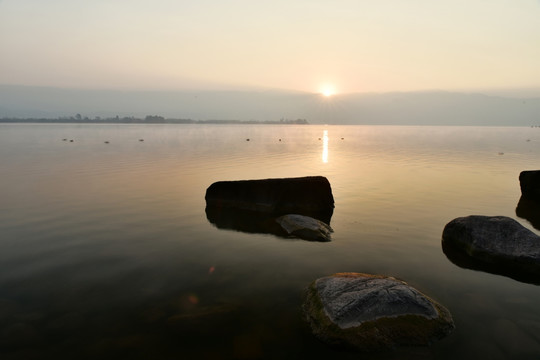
x: 373, y: 312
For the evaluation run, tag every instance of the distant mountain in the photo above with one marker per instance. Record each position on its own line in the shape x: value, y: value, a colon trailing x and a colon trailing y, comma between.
x: 407, y: 108
x: 440, y: 108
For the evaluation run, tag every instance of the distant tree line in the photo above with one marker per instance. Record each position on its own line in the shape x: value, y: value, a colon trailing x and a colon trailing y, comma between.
x: 149, y: 119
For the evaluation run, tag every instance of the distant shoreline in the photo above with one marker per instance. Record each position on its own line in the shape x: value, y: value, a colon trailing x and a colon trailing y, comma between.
x: 147, y: 120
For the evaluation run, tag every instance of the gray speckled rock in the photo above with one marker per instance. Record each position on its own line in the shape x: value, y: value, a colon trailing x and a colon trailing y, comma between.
x: 373, y: 312
x: 305, y: 227
x: 497, y: 241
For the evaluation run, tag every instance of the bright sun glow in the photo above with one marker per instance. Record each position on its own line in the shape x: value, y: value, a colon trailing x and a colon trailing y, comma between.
x: 328, y: 90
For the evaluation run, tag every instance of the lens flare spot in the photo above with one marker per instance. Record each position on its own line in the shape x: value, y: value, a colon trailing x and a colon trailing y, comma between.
x: 193, y: 299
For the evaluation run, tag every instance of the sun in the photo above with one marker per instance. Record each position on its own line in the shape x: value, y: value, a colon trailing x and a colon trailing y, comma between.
x: 328, y: 90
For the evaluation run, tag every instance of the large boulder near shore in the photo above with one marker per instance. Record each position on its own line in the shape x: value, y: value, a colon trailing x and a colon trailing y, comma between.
x: 373, y: 312
x: 529, y: 182
x: 496, y: 244
x: 310, y: 196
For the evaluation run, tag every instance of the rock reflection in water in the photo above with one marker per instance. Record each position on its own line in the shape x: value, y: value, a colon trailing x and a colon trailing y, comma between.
x: 243, y: 220
x: 460, y: 258
x: 256, y: 222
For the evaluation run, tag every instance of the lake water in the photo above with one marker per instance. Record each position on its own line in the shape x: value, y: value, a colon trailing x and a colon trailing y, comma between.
x: 106, y: 251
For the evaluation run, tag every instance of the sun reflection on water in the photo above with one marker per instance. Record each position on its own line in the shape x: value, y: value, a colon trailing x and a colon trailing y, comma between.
x: 325, y: 146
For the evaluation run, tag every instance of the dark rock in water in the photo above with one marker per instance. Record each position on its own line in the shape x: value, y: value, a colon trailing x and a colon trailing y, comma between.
x: 373, y: 312
x: 496, y: 244
x: 530, y: 210
x: 529, y: 182
x: 310, y: 196
x: 305, y: 227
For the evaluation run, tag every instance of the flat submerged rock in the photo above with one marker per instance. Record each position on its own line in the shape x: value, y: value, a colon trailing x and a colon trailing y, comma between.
x: 305, y: 227
x: 373, y: 312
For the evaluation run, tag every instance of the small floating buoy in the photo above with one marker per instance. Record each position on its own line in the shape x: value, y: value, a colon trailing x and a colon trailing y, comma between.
x: 106, y: 142
x: 70, y: 140
x: 141, y: 139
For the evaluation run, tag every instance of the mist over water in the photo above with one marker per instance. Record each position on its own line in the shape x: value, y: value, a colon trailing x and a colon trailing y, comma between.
x: 106, y: 249
x: 391, y: 108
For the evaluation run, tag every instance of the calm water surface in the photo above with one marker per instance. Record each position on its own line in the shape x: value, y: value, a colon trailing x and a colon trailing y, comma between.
x: 106, y: 251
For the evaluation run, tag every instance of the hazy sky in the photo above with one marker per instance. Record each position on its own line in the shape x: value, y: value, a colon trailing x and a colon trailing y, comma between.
x: 351, y: 45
